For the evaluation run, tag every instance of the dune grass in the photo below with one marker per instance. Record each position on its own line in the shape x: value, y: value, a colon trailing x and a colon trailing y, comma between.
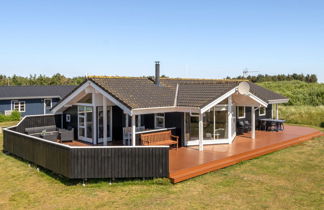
x: 305, y: 115
x: 287, y: 179
x: 299, y: 93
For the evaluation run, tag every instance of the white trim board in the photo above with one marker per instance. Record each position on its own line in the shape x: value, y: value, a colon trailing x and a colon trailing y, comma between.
x: 278, y: 101
x: 80, y: 147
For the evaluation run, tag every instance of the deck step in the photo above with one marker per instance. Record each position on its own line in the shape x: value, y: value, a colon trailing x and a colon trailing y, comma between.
x: 188, y: 173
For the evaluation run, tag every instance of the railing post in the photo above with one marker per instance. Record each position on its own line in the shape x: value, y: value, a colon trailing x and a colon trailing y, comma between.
x: 104, y: 109
x: 201, y: 132
x: 133, y: 130
x: 253, y: 121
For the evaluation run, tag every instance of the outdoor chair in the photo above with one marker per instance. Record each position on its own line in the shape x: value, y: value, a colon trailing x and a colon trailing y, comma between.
x: 240, y: 127
x: 262, y: 125
x: 66, y: 135
x: 247, y: 125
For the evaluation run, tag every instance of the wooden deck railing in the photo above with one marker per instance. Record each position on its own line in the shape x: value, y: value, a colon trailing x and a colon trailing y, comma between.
x: 91, y: 161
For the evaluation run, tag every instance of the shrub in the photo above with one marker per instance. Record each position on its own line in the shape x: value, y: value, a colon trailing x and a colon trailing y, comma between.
x: 15, y: 116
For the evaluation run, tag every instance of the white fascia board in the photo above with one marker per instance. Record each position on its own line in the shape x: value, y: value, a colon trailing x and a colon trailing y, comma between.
x: 111, y: 98
x: 218, y: 100
x: 154, y: 110
x: 70, y: 97
x: 278, y: 101
x: 257, y: 99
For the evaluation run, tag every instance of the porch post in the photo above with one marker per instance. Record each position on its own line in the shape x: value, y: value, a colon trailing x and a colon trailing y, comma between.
x: 277, y: 112
x: 94, y: 118
x: 253, y: 121
x: 229, y: 110
x: 133, y: 130
x: 272, y: 111
x: 104, y: 109
x: 201, y: 134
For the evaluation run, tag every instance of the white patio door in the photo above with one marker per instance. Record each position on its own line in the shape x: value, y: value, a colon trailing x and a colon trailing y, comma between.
x: 101, y: 124
x: 85, y: 123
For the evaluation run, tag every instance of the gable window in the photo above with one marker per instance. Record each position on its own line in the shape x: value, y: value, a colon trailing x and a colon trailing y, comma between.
x: 48, y: 103
x: 159, y: 120
x: 241, y: 112
x: 19, y: 106
x: 262, y: 111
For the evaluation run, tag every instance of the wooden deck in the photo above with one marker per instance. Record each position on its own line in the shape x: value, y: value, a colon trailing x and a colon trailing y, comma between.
x: 188, y: 162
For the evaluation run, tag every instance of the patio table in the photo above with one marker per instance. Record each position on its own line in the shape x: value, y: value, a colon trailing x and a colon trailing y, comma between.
x: 278, y: 122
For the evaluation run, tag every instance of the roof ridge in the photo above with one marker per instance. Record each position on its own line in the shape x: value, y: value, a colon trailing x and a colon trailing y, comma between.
x: 203, y: 79
x: 115, y: 77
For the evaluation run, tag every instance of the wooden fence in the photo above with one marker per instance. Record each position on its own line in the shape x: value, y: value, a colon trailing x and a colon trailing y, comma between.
x: 90, y: 161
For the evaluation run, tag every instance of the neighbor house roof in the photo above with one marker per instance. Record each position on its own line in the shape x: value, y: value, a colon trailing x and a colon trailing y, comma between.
x: 141, y: 92
x: 23, y: 92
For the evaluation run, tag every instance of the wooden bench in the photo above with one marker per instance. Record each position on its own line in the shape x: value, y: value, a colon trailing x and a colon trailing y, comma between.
x: 159, y: 138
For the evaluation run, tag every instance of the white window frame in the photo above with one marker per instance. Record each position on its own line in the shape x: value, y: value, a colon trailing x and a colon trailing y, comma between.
x: 20, y: 105
x: 238, y: 112
x: 68, y: 118
x: 265, y: 111
x: 47, y: 99
x: 159, y: 116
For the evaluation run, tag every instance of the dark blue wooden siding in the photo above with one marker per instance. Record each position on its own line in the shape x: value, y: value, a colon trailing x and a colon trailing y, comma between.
x: 33, y: 106
x: 5, y: 105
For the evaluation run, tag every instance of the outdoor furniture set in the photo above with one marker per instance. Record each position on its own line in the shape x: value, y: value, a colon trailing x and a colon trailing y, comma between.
x: 51, y: 133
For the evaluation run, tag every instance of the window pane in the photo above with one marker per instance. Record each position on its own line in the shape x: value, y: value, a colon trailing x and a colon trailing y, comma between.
x: 241, y: 111
x: 22, y: 106
x: 48, y: 103
x: 16, y: 106
x: 159, y: 122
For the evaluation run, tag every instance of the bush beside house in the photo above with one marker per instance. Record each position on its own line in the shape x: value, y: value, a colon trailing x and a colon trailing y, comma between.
x: 15, y: 116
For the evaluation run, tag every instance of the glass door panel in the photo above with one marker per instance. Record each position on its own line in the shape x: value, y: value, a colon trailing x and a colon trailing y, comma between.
x: 101, y: 124
x: 192, y: 128
x: 85, y: 124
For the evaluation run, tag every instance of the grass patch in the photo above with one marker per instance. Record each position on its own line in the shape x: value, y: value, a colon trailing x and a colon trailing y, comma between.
x: 287, y: 179
x: 305, y: 115
x: 298, y: 92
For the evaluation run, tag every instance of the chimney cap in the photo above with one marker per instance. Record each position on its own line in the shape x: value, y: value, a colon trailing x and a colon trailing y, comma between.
x: 157, y: 62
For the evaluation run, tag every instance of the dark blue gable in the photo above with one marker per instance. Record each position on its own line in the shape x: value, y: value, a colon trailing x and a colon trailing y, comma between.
x: 33, y: 106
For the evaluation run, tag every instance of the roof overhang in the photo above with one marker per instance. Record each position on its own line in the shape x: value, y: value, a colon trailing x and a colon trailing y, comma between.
x: 28, y: 97
x: 278, y: 101
x: 218, y: 100
x: 66, y: 102
x: 154, y: 110
x: 248, y: 99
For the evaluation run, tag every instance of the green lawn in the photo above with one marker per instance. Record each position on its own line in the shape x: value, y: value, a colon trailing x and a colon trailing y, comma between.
x: 288, y: 179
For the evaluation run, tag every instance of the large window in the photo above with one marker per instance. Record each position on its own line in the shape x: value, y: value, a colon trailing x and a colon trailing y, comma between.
x: 159, y: 120
x: 19, y: 106
x: 262, y: 111
x: 215, y: 124
x: 241, y: 112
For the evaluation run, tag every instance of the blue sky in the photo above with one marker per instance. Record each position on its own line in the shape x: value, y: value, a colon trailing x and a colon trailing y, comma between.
x: 200, y: 39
